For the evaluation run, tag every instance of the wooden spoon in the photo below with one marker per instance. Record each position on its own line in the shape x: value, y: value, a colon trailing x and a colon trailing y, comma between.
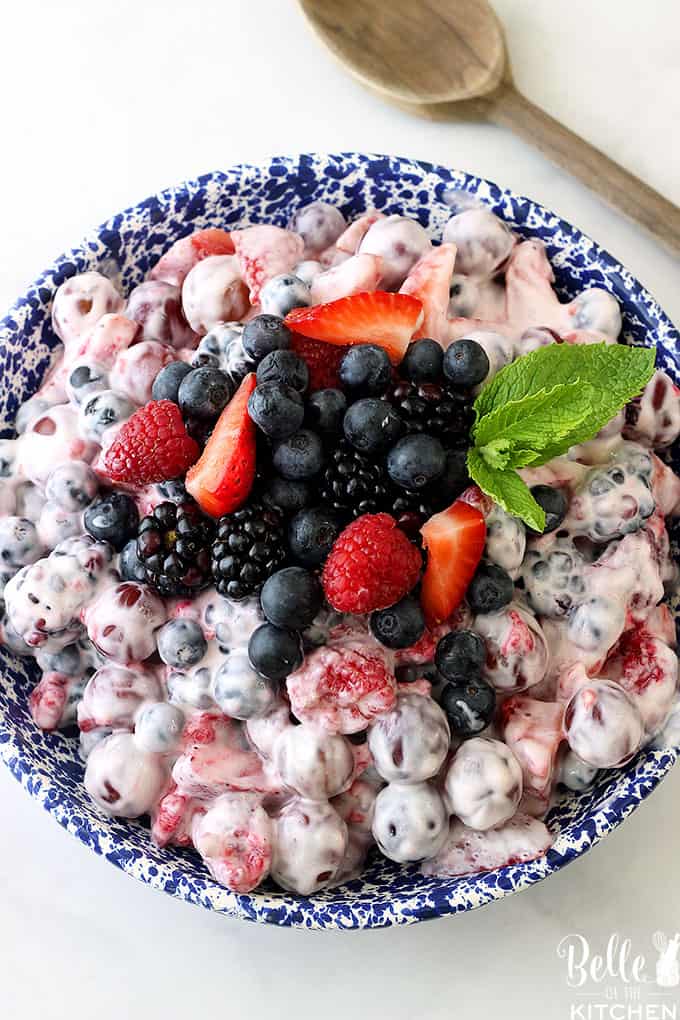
x: 447, y: 58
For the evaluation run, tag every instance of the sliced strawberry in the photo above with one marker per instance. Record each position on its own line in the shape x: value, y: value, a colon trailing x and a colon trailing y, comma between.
x: 323, y: 361
x: 265, y: 251
x: 468, y: 852
x: 454, y: 540
x: 224, y: 475
x: 174, y: 265
x: 430, y: 281
x: 388, y: 320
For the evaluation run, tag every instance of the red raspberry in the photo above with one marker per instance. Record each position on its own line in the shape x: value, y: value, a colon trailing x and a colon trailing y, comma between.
x: 342, y: 686
x: 151, y: 447
x: 322, y: 360
x: 371, y: 566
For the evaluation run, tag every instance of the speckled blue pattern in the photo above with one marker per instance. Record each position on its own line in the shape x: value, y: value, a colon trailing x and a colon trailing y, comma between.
x: 125, y: 248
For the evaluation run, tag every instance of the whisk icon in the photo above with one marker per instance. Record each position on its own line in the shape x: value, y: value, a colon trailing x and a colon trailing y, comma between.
x: 667, y: 966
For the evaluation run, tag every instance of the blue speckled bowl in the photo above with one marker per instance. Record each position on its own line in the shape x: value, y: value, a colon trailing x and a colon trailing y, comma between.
x: 47, y: 765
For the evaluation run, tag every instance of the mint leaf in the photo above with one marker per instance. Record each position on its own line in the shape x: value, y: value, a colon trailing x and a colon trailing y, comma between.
x: 497, y: 453
x: 551, y: 414
x: 617, y: 373
x: 507, y: 489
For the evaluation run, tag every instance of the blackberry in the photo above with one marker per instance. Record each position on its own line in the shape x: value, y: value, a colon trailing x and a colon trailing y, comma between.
x: 353, y: 484
x: 434, y: 409
x: 250, y: 546
x: 173, y: 546
x: 409, y: 509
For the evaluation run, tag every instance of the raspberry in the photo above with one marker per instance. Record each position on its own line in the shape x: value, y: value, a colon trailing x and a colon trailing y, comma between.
x: 322, y: 360
x: 152, y: 446
x: 342, y: 686
x: 371, y: 566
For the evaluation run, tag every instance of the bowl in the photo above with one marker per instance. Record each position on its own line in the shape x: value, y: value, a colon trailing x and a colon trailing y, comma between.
x: 47, y: 764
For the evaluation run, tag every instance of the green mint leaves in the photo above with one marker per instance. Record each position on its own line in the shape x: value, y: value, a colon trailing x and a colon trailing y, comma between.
x: 538, y: 406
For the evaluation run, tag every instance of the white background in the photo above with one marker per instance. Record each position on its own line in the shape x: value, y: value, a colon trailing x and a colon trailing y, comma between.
x: 105, y: 103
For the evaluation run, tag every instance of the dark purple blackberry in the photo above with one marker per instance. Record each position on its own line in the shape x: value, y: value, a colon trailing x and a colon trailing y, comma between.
x: 352, y: 484
x: 173, y: 546
x: 249, y: 547
x: 434, y: 409
x: 409, y: 509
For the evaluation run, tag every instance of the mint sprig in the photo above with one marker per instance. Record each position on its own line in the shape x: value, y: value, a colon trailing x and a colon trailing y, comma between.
x: 540, y: 405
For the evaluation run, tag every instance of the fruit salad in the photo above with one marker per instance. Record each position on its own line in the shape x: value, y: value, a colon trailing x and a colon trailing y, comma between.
x: 316, y: 564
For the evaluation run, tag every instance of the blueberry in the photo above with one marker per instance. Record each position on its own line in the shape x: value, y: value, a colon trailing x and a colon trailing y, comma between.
x: 130, y: 566
x: 202, y: 359
x: 300, y: 456
x: 416, y: 461
x: 204, y: 393
x: 311, y: 535
x: 365, y: 370
x: 325, y: 411
x: 173, y: 490
x: 263, y: 334
x: 490, y: 589
x: 72, y: 486
x: 284, y: 367
x: 101, y: 410
x: 454, y: 479
x: 371, y: 425
x: 274, y: 652
x: 554, y: 502
x: 113, y: 519
x: 285, y: 495
x: 465, y: 363
x: 276, y: 409
x: 240, y: 691
x: 283, y: 293
x: 461, y: 653
x: 68, y: 661
x: 181, y: 643
x: 291, y: 598
x: 469, y: 706
x: 400, y: 626
x: 84, y: 379
x: 158, y: 727
x: 422, y: 362
x: 167, y: 382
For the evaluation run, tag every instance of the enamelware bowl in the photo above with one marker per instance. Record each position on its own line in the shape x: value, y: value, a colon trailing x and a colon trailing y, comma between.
x: 47, y: 764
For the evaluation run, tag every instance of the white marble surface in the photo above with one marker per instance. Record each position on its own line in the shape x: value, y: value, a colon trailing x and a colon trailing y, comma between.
x: 106, y: 104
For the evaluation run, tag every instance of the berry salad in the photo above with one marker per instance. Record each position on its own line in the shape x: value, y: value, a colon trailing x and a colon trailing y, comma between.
x: 337, y: 540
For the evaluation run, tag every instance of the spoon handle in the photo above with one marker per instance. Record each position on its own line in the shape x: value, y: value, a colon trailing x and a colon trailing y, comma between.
x: 617, y: 186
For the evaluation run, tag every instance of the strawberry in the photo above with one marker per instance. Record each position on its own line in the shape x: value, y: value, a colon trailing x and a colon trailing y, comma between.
x: 265, y: 251
x: 223, y: 477
x: 151, y: 446
x: 430, y: 281
x: 454, y: 540
x: 322, y: 360
x: 174, y: 265
x: 377, y: 317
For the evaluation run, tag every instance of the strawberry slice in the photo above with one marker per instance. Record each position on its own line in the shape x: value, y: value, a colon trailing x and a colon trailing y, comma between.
x: 377, y: 317
x: 174, y: 265
x: 454, y: 540
x: 322, y: 360
x: 224, y: 475
x: 430, y: 281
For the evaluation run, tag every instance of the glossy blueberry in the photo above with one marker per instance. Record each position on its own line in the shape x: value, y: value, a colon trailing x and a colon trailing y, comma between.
x: 325, y: 411
x: 311, y: 535
x: 263, y: 334
x: 113, y: 519
x: 465, y: 363
x: 422, y: 362
x: 490, y: 589
x: 204, y: 393
x: 300, y: 456
x: 173, y: 490
x: 291, y: 598
x: 167, y: 382
x: 371, y: 425
x: 469, y: 706
x: 461, y: 653
x: 277, y: 410
x: 286, y: 495
x: 101, y: 410
x: 553, y: 502
x: 365, y: 371
x: 130, y: 566
x: 284, y: 367
x: 416, y: 461
x: 274, y: 652
x: 181, y: 643
x: 454, y: 479
x: 399, y: 626
x: 283, y: 293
